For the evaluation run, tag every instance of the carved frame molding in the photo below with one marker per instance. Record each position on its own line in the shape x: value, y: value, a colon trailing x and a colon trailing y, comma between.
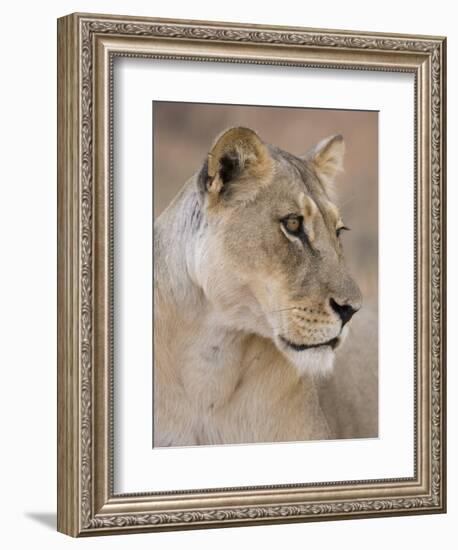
x: 87, y: 45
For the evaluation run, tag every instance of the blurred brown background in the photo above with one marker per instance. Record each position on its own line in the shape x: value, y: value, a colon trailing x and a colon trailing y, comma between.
x: 183, y: 134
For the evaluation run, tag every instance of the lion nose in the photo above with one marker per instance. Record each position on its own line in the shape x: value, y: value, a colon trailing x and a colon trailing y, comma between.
x: 344, y: 311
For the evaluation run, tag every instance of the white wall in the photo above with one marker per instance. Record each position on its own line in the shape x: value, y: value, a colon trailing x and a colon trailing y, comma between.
x: 28, y: 274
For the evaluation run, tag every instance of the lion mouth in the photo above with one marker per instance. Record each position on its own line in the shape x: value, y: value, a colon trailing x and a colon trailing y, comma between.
x: 302, y: 347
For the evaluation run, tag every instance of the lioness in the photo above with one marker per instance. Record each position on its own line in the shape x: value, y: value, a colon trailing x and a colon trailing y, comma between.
x: 251, y: 295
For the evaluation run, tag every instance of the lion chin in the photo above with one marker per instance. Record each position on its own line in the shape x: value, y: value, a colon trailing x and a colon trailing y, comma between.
x: 317, y: 361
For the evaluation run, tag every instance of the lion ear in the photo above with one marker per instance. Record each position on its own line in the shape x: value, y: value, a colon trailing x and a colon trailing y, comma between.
x: 237, y: 161
x: 326, y: 157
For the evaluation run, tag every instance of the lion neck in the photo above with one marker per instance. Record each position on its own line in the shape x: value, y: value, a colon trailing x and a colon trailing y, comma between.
x: 193, y: 348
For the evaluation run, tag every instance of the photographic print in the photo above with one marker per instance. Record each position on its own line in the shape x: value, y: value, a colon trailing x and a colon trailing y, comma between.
x: 265, y: 274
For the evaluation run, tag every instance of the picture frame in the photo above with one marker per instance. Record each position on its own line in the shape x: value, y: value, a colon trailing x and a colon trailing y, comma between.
x: 88, y: 44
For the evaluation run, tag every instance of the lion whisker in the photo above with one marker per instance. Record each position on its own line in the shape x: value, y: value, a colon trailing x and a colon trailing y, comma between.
x: 281, y: 310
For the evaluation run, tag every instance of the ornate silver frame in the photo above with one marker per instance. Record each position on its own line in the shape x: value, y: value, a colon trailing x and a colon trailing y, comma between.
x: 87, y: 45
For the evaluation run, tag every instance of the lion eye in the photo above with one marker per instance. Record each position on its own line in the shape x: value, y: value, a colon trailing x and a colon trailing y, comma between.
x: 340, y: 229
x: 293, y: 225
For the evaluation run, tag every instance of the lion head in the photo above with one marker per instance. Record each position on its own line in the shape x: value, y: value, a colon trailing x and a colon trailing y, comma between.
x: 269, y: 256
